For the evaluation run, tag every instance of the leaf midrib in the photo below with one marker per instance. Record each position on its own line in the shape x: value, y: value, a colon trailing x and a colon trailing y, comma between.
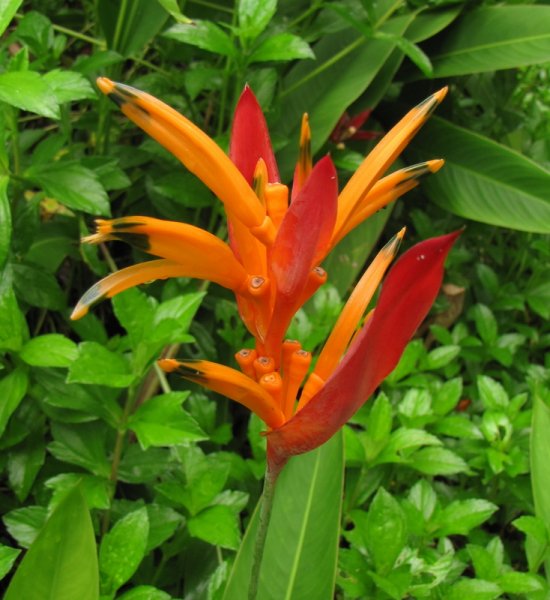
x: 301, y: 538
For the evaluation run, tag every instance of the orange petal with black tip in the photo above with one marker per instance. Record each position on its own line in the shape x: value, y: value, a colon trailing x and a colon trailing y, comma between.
x: 230, y: 383
x: 384, y: 192
x: 383, y: 155
x: 304, y: 233
x: 196, y: 150
x: 350, y: 316
x: 407, y: 295
x: 250, y: 139
x: 200, y: 253
x: 127, y: 278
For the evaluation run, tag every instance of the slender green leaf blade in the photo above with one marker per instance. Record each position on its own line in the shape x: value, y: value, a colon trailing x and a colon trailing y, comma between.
x: 483, y: 180
x: 495, y: 37
x: 61, y: 564
x: 540, y: 465
x: 8, y: 8
x: 301, y: 548
x: 12, y: 390
x: 5, y: 220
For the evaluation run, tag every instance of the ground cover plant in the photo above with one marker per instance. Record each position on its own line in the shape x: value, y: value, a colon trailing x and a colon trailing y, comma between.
x: 122, y: 481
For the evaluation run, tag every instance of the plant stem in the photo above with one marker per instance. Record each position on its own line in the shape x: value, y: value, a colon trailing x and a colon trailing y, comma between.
x: 261, y: 534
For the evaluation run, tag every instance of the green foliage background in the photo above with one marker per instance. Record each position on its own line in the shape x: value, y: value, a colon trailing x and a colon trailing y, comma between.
x: 446, y: 469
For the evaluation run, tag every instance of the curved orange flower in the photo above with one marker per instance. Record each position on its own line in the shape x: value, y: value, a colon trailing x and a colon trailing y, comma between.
x: 272, y: 265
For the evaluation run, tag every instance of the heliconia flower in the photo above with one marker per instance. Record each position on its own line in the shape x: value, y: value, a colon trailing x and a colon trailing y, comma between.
x: 272, y: 264
x: 349, y: 128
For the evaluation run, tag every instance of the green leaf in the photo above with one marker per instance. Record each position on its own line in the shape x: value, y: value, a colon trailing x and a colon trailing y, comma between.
x: 254, y: 17
x: 519, y: 583
x: 82, y: 445
x: 69, y: 86
x: 447, y: 396
x: 429, y: 23
x: 474, y: 589
x: 161, y: 422
x: 13, y: 388
x: 308, y: 494
x: 130, y: 26
x: 492, y: 38
x: 378, y: 427
x: 345, y: 65
x: 5, y: 220
x: 216, y: 525
x: 37, y: 287
x: 62, y: 562
x: 122, y: 549
x: 460, y: 516
x: 97, y: 365
x: 405, y: 439
x: 440, y: 357
x: 423, y: 497
x: 144, y: 592
x: 438, y: 461
x: 50, y: 350
x: 28, y: 90
x: 24, y: 463
x: 7, y: 558
x: 171, y: 6
x: 385, y: 532
x: 491, y: 393
x: 412, y: 51
x: 8, y: 8
x: 202, y: 34
x: 71, y: 184
x: 24, y: 524
x: 95, y: 489
x: 483, y: 180
x: 163, y: 522
x: 486, y: 324
x: 281, y: 46
x: 539, y: 453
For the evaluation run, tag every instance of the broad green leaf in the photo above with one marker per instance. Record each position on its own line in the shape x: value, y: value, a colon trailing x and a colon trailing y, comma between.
x: 163, y: 522
x: 519, y: 583
x: 162, y: 422
x: 491, y: 393
x: 539, y: 453
x: 461, y: 516
x: 345, y: 65
x: 13, y: 388
x: 447, y: 396
x: 5, y: 220
x: 254, y: 17
x: 95, y: 364
x: 144, y: 592
x: 82, y: 445
x: 71, y: 184
x: 143, y: 466
x: 428, y: 23
x: 8, y: 8
x: 385, y: 532
x: 107, y: 169
x: 7, y: 558
x: 202, y: 34
x: 405, y: 439
x: 68, y: 86
x: 122, y: 549
x: 24, y: 463
x: 281, y: 46
x: 37, y: 287
x: 171, y: 6
x: 28, y: 90
x: 135, y: 310
x: 438, y: 461
x: 304, y: 531
x: 216, y: 525
x: 483, y: 180
x: 49, y: 350
x: 440, y: 357
x: 423, y: 497
x: 61, y: 564
x: 495, y: 37
x: 129, y: 26
x: 474, y: 589
x: 24, y: 524
x: 95, y: 489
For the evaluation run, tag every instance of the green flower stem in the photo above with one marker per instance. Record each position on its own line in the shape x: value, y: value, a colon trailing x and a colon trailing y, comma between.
x: 268, y: 494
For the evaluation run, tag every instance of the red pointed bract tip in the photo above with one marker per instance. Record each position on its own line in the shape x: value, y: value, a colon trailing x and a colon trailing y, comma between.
x: 250, y: 138
x: 406, y: 297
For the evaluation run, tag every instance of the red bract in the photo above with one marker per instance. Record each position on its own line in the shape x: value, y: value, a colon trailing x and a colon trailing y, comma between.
x: 273, y: 265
